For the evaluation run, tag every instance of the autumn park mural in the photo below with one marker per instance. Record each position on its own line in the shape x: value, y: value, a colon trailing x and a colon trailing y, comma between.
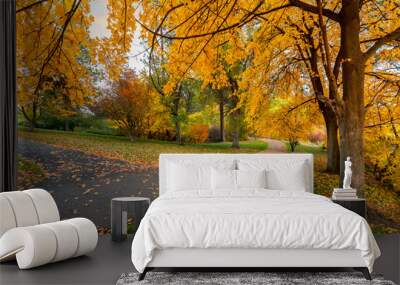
x: 105, y: 86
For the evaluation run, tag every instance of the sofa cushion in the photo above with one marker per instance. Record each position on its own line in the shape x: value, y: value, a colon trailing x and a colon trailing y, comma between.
x: 7, y: 220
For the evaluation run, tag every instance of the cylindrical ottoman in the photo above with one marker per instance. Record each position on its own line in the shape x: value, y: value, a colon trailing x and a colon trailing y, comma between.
x: 119, y: 214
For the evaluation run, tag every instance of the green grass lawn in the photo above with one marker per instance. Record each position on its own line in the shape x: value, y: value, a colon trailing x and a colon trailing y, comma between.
x: 253, y: 145
x: 307, y: 148
x: 29, y: 172
x: 142, y: 151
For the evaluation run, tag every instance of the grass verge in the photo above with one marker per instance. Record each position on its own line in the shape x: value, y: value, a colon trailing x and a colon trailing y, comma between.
x: 29, y: 173
x: 138, y: 151
x: 307, y: 148
x: 257, y: 145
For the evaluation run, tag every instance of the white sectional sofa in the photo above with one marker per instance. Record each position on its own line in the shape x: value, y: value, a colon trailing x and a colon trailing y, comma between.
x: 31, y: 231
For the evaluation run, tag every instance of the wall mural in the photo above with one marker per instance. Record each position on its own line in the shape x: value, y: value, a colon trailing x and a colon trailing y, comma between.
x: 104, y: 87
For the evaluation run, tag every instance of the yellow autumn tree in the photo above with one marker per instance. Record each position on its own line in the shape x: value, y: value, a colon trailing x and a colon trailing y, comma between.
x: 51, y: 37
x: 54, y: 45
x: 382, y: 126
x: 112, y: 51
x: 349, y: 35
x: 131, y: 105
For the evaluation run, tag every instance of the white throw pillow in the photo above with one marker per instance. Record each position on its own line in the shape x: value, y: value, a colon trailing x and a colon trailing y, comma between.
x: 282, y: 174
x: 223, y: 179
x: 181, y: 177
x: 251, y: 178
x: 293, y: 179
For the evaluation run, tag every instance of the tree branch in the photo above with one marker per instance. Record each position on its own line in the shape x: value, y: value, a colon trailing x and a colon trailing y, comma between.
x: 395, y: 35
x: 299, y: 105
x: 245, y: 19
x: 391, y: 121
x: 336, y: 67
x: 31, y: 5
x: 313, y: 9
x: 58, y: 43
x: 333, y: 88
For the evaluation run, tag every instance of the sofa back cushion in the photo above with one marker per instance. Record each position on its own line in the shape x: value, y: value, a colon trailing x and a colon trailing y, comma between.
x: 26, y: 208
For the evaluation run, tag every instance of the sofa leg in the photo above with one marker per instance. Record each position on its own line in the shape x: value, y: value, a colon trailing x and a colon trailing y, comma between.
x: 364, y: 271
x: 143, y: 274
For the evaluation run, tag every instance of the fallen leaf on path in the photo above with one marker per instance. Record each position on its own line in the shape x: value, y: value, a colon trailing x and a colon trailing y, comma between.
x: 88, y: 191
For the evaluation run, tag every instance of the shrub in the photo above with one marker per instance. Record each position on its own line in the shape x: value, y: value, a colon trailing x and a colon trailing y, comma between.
x: 197, y: 133
x: 54, y: 122
x: 214, y: 134
x: 164, y: 134
x: 316, y: 137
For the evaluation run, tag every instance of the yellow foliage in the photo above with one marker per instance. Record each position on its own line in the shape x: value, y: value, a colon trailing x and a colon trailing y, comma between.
x: 260, y: 60
x: 197, y: 133
x: 52, y: 39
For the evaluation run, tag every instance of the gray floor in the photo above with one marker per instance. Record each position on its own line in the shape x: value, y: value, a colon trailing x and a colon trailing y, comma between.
x: 110, y: 260
x: 103, y: 266
x: 389, y: 262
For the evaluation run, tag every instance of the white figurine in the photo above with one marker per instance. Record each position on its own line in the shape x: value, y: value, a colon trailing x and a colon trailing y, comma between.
x: 347, y: 174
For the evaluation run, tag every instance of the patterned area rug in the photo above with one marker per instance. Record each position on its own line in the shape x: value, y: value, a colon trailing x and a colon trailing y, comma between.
x: 236, y: 278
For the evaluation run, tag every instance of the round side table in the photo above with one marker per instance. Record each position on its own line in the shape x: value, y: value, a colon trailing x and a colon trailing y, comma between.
x: 119, y: 214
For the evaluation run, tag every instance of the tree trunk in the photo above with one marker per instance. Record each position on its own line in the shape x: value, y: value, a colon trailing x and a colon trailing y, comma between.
x: 293, y: 144
x: 221, y: 117
x: 333, y: 152
x: 235, y: 139
x: 175, y: 115
x: 236, y: 129
x: 351, y: 118
x: 178, y: 131
x: 31, y: 121
x: 131, y: 135
x: 32, y: 126
x: 66, y: 125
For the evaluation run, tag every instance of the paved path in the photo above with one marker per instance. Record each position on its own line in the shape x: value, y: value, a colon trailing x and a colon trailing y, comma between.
x: 274, y: 146
x: 83, y: 185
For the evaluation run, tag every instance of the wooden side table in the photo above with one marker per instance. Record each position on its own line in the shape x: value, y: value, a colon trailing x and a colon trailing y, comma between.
x: 119, y: 214
x: 357, y: 205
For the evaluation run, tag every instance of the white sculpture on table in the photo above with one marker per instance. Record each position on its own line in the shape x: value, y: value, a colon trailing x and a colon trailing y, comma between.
x: 347, y: 174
